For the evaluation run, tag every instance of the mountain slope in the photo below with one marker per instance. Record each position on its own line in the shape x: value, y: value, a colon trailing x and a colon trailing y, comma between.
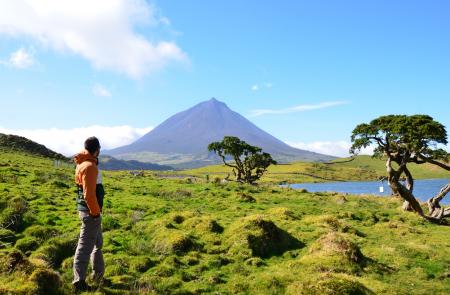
x: 110, y: 163
x: 184, y: 137
x: 19, y: 143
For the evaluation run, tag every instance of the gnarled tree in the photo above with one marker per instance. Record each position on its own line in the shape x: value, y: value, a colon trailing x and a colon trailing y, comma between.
x: 404, y: 140
x: 249, y: 162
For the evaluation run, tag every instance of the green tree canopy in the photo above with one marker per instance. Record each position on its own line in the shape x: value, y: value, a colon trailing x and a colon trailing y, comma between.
x: 248, y: 162
x: 406, y: 139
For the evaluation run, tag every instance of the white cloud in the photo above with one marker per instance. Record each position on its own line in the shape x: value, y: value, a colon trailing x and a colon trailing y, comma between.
x: 333, y: 148
x: 102, y: 32
x: 257, y: 87
x: 70, y: 141
x: 165, y: 21
x: 296, y: 109
x: 101, y: 91
x: 20, y: 59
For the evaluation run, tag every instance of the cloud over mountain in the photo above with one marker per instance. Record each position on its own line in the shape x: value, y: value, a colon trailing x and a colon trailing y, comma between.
x: 70, y: 141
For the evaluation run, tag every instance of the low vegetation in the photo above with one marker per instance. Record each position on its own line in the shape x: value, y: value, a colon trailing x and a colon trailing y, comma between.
x: 360, y: 168
x: 193, y: 235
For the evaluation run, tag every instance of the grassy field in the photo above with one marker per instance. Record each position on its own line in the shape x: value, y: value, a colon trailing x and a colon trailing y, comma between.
x: 362, y: 168
x: 189, y: 236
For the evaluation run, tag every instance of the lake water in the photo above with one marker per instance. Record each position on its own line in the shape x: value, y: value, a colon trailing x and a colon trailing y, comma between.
x: 423, y: 189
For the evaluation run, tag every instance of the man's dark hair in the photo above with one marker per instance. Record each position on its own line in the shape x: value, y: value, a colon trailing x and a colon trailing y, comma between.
x: 92, y: 144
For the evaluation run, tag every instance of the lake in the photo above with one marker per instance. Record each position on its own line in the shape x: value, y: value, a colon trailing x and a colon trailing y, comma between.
x: 423, y: 188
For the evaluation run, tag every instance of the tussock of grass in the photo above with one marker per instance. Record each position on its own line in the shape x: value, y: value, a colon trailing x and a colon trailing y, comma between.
x: 42, y: 233
x: 330, y: 222
x: 204, y: 225
x: 282, y: 213
x: 116, y: 265
x: 256, y: 235
x: 243, y: 197
x: 27, y: 244
x: 171, y: 241
x: 12, y: 216
x: 328, y: 284
x: 334, y: 252
x: 47, y: 281
x: 7, y: 236
x: 56, y: 250
x: 141, y: 264
x: 14, y: 260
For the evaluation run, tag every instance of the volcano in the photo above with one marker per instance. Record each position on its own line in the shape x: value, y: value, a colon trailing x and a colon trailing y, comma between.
x: 182, y: 140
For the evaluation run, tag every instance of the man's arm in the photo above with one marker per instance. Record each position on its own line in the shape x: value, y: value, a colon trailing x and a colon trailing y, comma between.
x: 89, y: 187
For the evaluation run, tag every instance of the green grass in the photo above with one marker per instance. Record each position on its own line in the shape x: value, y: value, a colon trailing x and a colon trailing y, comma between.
x: 180, y: 236
x: 362, y: 168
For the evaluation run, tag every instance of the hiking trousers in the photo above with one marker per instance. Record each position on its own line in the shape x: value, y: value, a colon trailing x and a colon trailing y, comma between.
x: 89, y: 247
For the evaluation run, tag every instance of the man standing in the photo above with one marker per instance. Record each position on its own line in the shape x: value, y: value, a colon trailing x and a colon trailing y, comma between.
x: 90, y: 240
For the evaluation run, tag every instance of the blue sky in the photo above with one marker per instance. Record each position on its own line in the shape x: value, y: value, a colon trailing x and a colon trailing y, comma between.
x: 316, y: 68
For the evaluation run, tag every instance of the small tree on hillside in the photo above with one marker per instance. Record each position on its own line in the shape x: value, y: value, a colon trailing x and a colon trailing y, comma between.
x: 403, y: 140
x: 249, y: 162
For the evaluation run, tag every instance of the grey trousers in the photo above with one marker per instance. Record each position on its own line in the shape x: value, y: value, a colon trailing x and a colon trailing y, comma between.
x: 89, y: 247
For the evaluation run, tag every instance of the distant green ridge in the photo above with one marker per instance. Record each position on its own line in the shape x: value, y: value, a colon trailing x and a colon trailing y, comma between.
x: 19, y: 143
x: 362, y: 168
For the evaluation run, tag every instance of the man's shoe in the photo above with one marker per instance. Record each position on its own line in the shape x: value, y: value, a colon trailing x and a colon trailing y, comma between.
x: 81, y: 286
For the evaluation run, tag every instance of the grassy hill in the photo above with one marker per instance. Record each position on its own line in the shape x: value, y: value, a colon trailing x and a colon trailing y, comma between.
x: 362, y: 168
x: 187, y: 236
x: 22, y: 144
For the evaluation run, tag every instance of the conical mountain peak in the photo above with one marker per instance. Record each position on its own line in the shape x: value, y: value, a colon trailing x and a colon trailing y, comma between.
x: 212, y: 103
x: 186, y: 136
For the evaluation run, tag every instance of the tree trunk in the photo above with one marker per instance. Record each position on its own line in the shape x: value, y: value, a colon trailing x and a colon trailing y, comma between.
x: 435, y: 209
x: 404, y: 193
x: 410, y: 187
